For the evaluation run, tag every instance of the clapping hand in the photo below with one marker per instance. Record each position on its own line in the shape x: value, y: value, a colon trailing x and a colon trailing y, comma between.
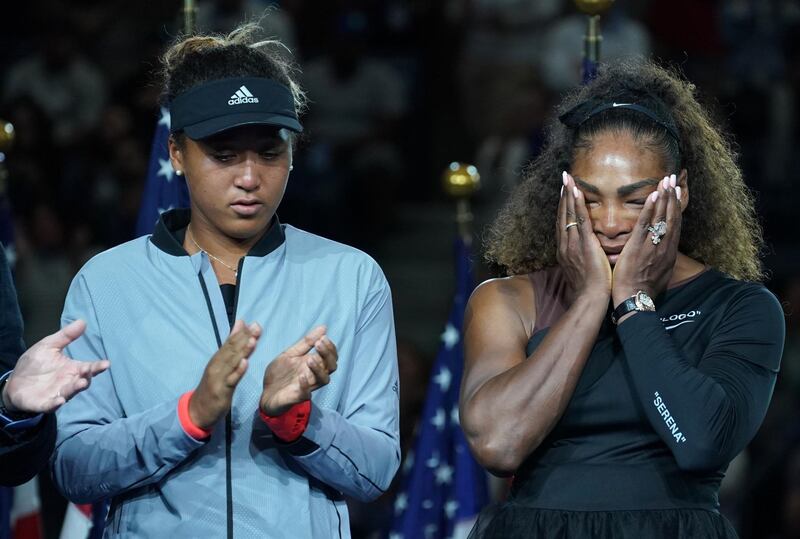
x: 214, y: 394
x: 300, y: 369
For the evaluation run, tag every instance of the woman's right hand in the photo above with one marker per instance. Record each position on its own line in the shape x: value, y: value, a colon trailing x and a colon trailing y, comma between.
x: 579, y: 253
x: 213, y: 396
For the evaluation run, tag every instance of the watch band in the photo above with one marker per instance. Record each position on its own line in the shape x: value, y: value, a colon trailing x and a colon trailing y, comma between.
x: 627, y: 306
x: 639, y: 302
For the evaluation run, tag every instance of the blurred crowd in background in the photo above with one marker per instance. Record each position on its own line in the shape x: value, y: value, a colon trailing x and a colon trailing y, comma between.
x: 398, y: 89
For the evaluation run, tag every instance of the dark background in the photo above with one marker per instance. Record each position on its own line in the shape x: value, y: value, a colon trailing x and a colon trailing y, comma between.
x: 398, y: 90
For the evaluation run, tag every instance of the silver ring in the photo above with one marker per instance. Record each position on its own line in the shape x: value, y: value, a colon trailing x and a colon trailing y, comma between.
x: 658, y: 231
x: 570, y: 225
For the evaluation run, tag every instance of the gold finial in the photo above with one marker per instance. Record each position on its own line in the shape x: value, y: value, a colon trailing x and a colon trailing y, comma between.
x: 593, y: 7
x: 461, y: 180
x: 6, y: 135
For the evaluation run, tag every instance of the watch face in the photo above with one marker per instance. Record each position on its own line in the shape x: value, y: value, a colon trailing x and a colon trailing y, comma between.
x: 643, y: 302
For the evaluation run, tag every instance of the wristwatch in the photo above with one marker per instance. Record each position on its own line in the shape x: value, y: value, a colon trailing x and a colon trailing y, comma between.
x: 640, y: 301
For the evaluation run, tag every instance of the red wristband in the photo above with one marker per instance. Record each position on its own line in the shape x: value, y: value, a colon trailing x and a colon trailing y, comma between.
x: 291, y: 424
x: 186, y: 421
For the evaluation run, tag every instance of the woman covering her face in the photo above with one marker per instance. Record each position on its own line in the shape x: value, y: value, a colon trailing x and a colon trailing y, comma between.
x: 631, y: 352
x: 298, y: 405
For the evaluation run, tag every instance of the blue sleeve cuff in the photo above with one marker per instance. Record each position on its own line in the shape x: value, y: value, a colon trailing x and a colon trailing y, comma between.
x: 16, y: 425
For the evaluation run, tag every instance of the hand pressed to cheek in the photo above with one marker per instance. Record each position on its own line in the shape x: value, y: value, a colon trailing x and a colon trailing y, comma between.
x: 579, y: 253
x: 648, y: 259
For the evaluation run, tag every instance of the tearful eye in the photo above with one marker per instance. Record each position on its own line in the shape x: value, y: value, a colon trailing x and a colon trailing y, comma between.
x: 637, y: 202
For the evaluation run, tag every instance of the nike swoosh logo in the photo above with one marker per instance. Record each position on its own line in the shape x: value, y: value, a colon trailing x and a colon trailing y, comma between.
x: 619, y: 104
x: 679, y: 324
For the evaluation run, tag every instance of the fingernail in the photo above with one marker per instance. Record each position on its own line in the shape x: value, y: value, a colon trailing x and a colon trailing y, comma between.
x: 678, y: 192
x: 562, y: 191
x: 564, y: 177
x: 654, y: 196
x: 665, y: 182
x: 575, y: 191
x: 673, y: 180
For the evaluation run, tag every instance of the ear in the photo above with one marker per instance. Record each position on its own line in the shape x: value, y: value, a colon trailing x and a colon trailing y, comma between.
x: 175, y: 155
x: 683, y: 183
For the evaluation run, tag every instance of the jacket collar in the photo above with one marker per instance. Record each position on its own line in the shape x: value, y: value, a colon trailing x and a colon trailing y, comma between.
x: 171, y: 229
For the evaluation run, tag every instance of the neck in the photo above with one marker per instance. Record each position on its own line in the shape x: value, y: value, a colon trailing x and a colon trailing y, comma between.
x: 685, y: 268
x: 224, y: 252
x: 213, y: 240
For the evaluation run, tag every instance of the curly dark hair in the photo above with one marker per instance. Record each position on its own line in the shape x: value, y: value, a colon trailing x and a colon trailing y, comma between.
x: 720, y: 227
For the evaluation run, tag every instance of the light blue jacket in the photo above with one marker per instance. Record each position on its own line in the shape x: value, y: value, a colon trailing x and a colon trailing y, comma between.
x: 155, y: 312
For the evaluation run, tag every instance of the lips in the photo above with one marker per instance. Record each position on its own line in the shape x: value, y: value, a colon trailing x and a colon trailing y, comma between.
x: 246, y: 207
x: 613, y: 250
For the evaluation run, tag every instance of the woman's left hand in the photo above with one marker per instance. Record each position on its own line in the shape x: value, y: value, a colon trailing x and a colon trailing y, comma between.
x: 302, y: 368
x: 643, y: 265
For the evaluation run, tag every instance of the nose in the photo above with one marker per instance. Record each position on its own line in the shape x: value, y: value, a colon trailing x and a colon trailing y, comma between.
x: 247, y: 174
x: 610, y: 221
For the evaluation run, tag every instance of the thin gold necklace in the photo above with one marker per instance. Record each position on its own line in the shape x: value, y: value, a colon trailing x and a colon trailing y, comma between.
x: 234, y: 270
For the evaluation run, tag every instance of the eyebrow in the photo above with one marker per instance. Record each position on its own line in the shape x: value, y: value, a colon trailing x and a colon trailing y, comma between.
x: 625, y: 190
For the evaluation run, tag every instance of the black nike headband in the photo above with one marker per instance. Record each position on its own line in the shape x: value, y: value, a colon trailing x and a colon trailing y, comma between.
x: 577, y: 115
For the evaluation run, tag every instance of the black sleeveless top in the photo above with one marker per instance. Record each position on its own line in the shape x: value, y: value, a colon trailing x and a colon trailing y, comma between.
x: 663, y: 404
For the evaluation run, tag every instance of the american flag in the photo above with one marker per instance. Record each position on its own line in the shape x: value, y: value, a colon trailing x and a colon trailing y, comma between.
x: 84, y: 521
x: 163, y: 190
x: 20, y: 512
x: 443, y: 488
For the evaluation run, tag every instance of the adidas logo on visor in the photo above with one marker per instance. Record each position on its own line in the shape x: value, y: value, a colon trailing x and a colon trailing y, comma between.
x: 242, y: 95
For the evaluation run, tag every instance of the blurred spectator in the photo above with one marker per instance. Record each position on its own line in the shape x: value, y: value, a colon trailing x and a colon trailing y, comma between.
x: 503, y: 100
x: 30, y: 174
x: 502, y: 46
x: 767, y: 491
x: 222, y: 16
x: 562, y: 50
x: 357, y: 104
x: 790, y: 508
x: 43, y: 271
x: 755, y: 34
x: 63, y: 83
x: 119, y: 168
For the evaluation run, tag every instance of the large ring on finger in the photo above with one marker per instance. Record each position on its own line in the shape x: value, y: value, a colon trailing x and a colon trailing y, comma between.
x: 657, y: 231
x: 570, y: 225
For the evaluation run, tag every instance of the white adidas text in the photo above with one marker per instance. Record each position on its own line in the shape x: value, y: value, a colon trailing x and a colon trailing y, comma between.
x: 241, y: 96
